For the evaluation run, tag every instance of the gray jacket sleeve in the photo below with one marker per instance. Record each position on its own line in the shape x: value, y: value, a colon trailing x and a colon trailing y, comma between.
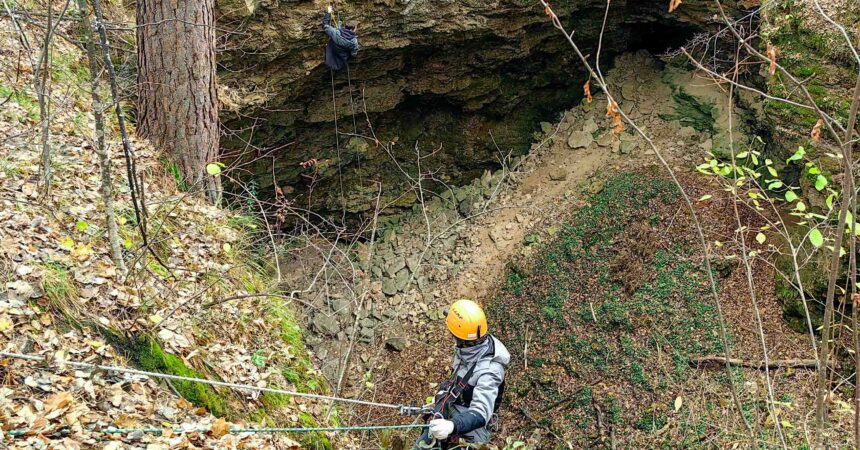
x: 486, y: 391
x: 483, y: 400
x: 330, y: 30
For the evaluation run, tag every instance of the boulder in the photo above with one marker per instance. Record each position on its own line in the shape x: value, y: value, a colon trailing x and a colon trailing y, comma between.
x: 396, y: 344
x: 628, y: 90
x: 394, y: 265
x: 389, y: 286
x: 558, y: 174
x: 605, y: 140
x: 401, y: 280
x: 579, y: 139
x: 590, y: 126
x: 366, y: 335
x: 628, y: 146
x: 546, y: 127
x: 325, y: 324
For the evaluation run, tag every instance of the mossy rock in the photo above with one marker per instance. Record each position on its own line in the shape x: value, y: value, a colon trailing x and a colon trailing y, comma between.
x: 148, y: 355
x: 814, y: 278
x: 313, y: 441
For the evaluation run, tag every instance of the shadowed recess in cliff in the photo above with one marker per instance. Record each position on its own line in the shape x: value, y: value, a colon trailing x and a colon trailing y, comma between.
x: 466, y: 80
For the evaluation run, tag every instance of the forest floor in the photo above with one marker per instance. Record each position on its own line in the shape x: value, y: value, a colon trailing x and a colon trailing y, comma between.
x: 62, y: 297
x: 602, y: 345
x: 602, y: 349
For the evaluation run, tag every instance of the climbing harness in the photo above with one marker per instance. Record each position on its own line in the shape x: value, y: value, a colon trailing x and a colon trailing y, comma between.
x: 454, y: 388
x: 457, y: 391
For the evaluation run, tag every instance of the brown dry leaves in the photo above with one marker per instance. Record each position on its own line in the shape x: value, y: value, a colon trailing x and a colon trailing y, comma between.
x: 59, y: 244
x: 771, y: 55
x: 612, y: 111
x: 587, y: 90
x: 57, y: 401
x: 815, y: 134
x: 673, y: 5
x: 219, y: 428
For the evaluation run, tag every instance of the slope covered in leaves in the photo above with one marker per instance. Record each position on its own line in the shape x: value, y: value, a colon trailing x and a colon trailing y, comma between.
x: 200, y: 302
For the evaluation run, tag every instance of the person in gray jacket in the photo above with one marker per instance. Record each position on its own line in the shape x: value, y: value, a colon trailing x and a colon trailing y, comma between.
x: 466, y: 404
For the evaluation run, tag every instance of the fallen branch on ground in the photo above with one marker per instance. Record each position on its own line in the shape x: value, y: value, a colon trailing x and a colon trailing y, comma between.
x: 773, y: 364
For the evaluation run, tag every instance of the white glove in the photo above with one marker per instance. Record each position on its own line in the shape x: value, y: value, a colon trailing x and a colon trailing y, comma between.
x: 328, y: 9
x: 441, y: 428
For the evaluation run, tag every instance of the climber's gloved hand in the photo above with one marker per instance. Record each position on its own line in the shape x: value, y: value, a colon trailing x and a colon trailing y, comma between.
x: 329, y: 9
x: 441, y: 428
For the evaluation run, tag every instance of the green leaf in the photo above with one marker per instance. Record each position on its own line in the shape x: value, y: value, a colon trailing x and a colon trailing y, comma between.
x: 800, y: 206
x: 790, y: 196
x: 213, y: 169
x: 67, y: 243
x: 705, y: 197
x: 81, y: 225
x: 775, y: 185
x: 816, y: 238
x: 742, y: 155
x: 127, y: 244
x: 820, y: 182
x: 814, y: 170
x: 829, y: 201
x: 849, y: 218
x: 760, y: 238
x: 726, y: 171
x: 772, y: 171
x: 797, y: 155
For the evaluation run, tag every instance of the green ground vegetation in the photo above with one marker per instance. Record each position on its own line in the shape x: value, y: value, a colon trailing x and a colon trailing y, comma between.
x: 606, y: 306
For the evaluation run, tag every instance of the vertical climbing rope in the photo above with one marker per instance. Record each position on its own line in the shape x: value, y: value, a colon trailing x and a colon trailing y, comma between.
x: 352, y: 108
x: 337, y: 144
x: 351, y: 99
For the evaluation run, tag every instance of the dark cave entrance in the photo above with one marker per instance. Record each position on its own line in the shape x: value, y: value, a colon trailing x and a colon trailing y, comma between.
x: 501, y: 100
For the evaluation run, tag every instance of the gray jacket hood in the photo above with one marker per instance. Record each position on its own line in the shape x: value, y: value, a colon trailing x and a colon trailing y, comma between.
x: 464, y: 357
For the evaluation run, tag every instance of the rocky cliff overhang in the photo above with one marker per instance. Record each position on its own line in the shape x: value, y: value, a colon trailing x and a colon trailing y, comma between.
x: 471, y: 79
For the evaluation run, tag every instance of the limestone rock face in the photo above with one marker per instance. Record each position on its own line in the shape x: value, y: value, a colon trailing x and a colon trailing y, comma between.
x: 467, y: 78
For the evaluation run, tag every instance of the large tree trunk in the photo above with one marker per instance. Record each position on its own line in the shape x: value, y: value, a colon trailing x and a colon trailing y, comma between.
x: 178, y: 103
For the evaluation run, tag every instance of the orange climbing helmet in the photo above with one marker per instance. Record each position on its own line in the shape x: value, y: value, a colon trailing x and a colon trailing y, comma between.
x: 466, y: 320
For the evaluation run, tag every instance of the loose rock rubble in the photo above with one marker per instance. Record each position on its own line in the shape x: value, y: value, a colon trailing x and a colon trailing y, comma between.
x: 481, y: 224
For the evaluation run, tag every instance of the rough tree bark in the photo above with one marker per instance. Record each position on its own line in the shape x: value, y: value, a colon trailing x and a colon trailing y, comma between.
x: 178, y: 103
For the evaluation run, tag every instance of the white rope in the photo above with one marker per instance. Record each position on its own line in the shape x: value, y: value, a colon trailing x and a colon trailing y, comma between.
x: 81, y: 365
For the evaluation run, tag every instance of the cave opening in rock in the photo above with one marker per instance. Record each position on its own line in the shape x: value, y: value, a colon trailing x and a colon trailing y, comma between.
x: 471, y: 97
x: 660, y: 37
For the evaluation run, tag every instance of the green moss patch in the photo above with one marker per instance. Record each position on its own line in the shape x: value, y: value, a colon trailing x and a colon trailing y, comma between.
x: 615, y: 299
x: 691, y: 111
x: 148, y: 355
